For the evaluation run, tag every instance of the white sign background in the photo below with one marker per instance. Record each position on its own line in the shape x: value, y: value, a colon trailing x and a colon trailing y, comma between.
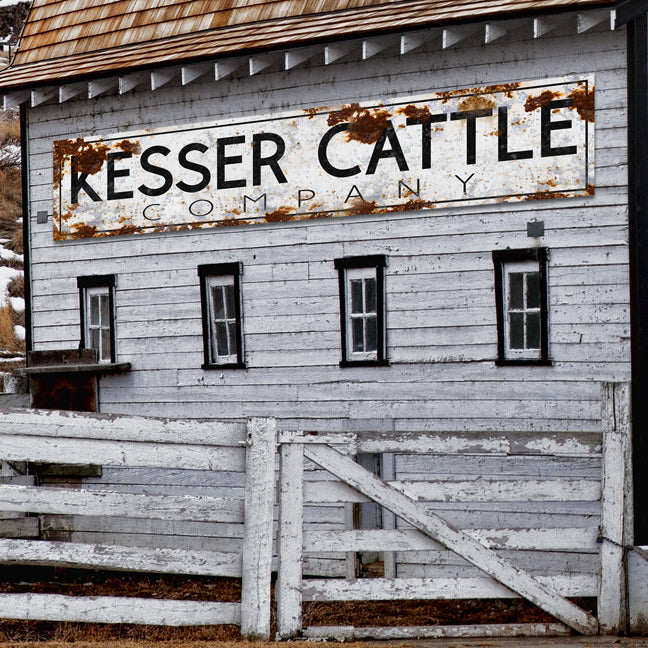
x: 516, y: 141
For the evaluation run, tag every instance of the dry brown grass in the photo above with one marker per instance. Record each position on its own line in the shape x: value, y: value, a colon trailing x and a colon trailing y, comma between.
x: 15, y: 243
x: 8, y: 340
x: 16, y: 287
x: 10, y: 176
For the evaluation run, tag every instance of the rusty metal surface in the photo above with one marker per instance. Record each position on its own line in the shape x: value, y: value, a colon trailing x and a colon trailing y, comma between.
x: 67, y: 39
x: 511, y: 142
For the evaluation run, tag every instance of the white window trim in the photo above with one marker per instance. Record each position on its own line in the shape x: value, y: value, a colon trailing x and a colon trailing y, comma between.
x: 509, y: 268
x: 349, y: 275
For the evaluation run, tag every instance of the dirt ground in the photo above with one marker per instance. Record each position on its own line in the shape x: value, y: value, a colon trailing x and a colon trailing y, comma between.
x: 95, y: 583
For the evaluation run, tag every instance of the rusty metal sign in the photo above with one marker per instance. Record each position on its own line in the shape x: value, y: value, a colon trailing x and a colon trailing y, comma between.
x: 518, y: 141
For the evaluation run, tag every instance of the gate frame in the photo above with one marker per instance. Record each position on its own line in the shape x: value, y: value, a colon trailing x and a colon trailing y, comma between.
x: 615, y: 529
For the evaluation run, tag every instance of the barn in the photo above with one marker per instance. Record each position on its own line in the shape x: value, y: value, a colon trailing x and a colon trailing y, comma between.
x: 411, y: 232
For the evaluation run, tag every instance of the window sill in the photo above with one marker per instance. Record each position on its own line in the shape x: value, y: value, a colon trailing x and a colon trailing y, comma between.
x: 524, y: 362
x: 96, y: 368
x: 231, y: 365
x: 364, y: 363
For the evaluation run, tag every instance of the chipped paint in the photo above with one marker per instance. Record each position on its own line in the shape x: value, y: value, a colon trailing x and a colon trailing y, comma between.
x: 496, y: 143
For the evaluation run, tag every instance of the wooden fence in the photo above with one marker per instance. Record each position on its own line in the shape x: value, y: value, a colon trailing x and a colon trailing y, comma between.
x: 72, y: 438
x: 520, y: 558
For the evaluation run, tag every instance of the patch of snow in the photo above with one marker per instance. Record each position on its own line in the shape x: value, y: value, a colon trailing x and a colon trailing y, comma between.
x: 8, y: 3
x: 17, y: 303
x: 19, y: 331
x: 6, y: 275
x: 8, y: 255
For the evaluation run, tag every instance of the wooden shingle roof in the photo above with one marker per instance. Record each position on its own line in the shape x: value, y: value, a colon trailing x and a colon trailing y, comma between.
x: 66, y: 40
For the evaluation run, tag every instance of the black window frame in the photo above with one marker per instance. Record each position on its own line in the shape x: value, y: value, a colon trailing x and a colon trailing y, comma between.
x: 98, y: 281
x: 205, y: 271
x: 500, y: 259
x: 342, y: 265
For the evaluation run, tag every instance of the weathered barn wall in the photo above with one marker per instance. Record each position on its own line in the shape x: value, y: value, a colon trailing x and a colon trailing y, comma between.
x: 441, y: 319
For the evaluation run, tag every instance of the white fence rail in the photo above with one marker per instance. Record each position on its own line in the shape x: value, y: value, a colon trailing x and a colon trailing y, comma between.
x: 72, y: 438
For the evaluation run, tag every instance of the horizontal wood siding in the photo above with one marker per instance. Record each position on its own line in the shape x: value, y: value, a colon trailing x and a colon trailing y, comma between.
x: 539, y: 426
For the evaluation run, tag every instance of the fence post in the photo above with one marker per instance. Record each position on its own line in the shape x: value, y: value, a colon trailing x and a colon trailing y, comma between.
x: 615, y: 506
x: 258, y: 528
x: 290, y: 547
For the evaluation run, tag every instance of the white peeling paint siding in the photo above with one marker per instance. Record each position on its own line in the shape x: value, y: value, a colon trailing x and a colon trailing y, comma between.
x: 441, y: 320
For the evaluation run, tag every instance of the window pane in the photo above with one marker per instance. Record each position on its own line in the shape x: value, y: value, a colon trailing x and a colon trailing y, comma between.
x: 357, y: 334
x: 229, y: 296
x: 516, y: 333
x: 94, y: 338
x: 218, y: 304
x: 371, y: 344
x: 370, y: 295
x: 222, y: 342
x: 94, y: 309
x: 356, y: 296
x: 516, y: 290
x: 104, y: 354
x: 232, y: 336
x: 105, y: 310
x: 533, y: 289
x: 533, y: 330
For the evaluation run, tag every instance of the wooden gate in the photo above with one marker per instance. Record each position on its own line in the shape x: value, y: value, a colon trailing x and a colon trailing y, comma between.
x: 422, y: 529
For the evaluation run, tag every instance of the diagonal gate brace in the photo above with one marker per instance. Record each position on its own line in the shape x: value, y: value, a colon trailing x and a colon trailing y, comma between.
x: 432, y: 525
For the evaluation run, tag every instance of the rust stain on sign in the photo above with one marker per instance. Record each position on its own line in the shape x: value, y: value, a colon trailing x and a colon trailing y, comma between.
x: 365, y: 126
x: 498, y: 143
x: 88, y: 156
x: 130, y: 146
x: 583, y: 102
x: 363, y: 207
x: 280, y: 215
x: 543, y: 194
x: 543, y: 99
x: 420, y: 113
x: 478, y: 102
x: 83, y: 231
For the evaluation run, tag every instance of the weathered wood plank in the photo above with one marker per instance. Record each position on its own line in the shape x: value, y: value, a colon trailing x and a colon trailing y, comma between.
x: 88, y: 556
x: 84, y: 425
x: 474, y: 442
x: 351, y: 633
x: 83, y: 502
x: 258, y: 535
x: 615, y: 414
x: 112, y: 609
x: 119, y: 453
x: 466, y: 546
x: 479, y: 489
x: 378, y: 589
x: 573, y: 539
x: 289, y: 549
x: 20, y: 527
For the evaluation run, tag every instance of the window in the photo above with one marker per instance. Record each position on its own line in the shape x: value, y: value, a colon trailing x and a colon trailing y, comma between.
x: 521, y: 300
x: 362, y: 309
x: 97, y: 305
x: 220, y: 292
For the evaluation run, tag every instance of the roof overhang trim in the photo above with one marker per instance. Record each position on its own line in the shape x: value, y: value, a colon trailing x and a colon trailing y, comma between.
x: 74, y: 74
